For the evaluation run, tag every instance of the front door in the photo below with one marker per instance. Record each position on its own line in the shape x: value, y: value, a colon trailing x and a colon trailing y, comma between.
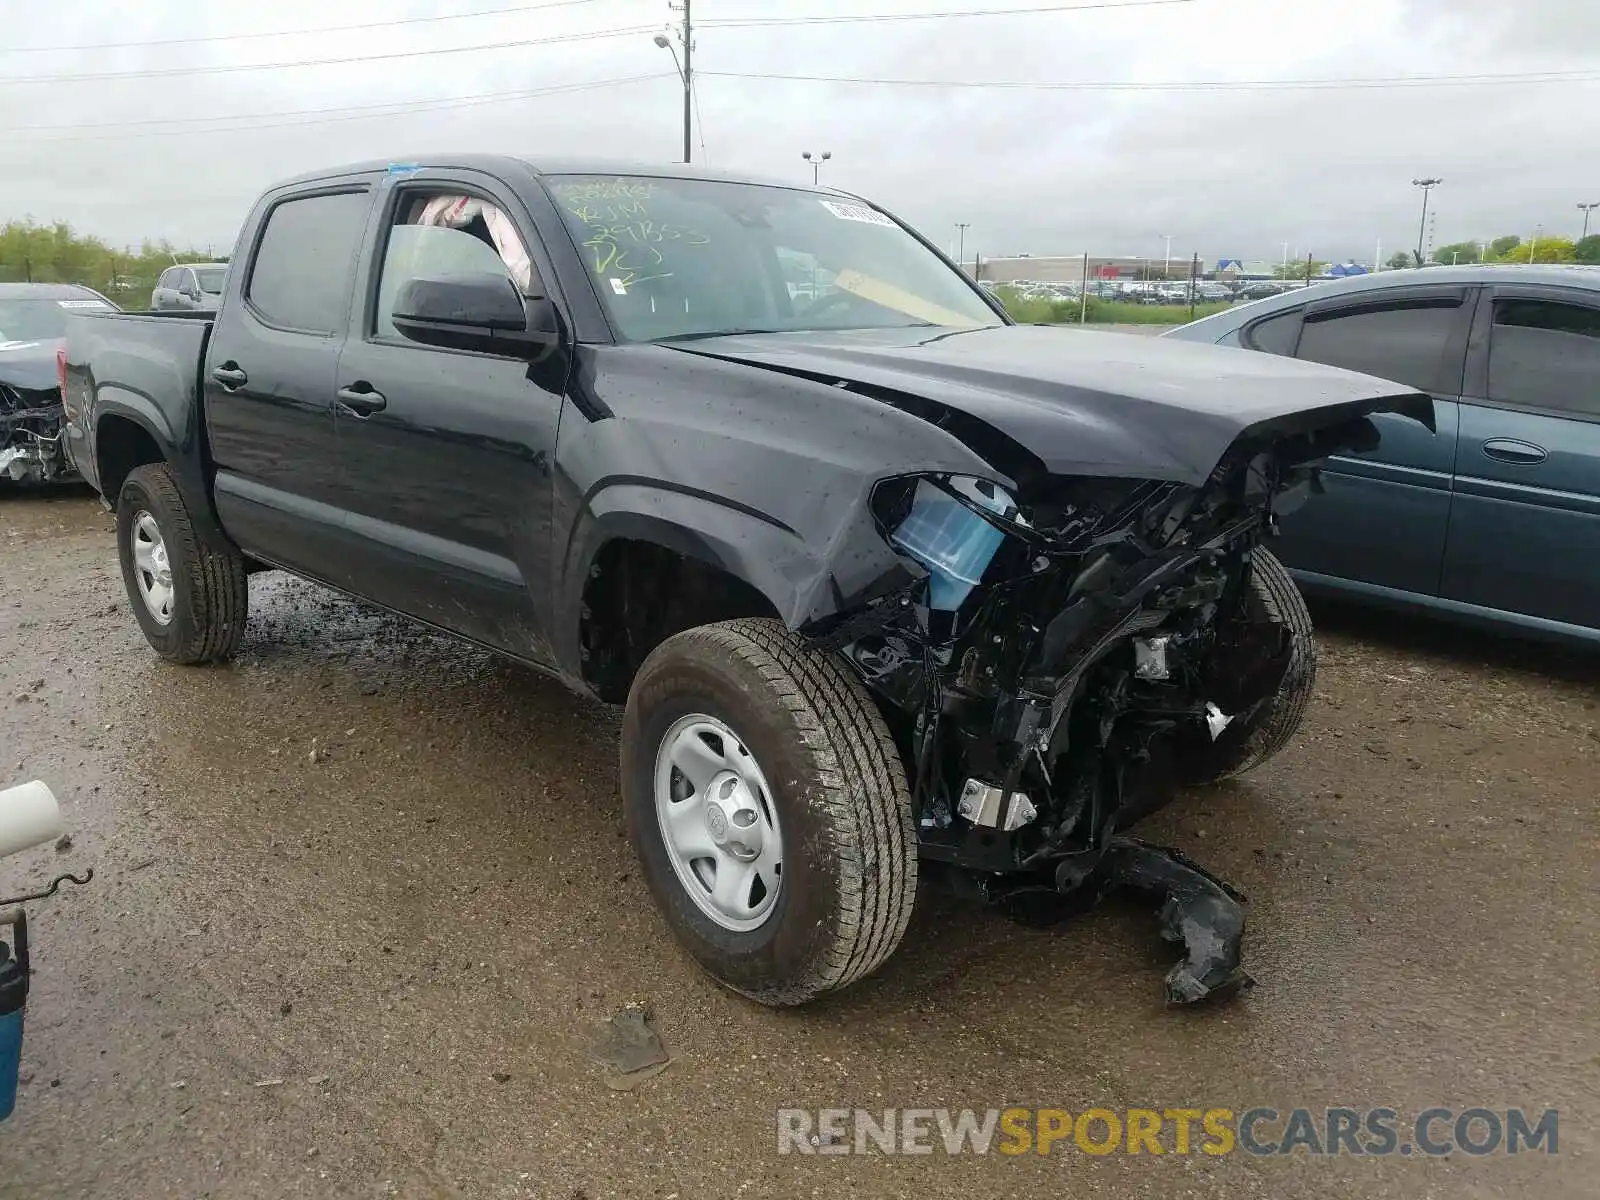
x: 1525, y: 527
x: 447, y: 454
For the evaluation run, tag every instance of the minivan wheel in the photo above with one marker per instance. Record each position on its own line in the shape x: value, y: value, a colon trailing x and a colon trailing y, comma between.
x: 186, y: 587
x: 769, y: 808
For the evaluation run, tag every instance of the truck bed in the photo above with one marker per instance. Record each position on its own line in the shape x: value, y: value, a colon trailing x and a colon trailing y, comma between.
x: 145, y: 365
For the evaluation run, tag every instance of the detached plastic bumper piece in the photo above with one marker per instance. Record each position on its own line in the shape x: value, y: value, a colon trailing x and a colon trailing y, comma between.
x: 1197, y: 910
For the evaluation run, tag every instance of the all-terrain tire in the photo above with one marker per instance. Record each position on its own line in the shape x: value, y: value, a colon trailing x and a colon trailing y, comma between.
x: 1245, y: 745
x: 210, y: 600
x: 849, y: 873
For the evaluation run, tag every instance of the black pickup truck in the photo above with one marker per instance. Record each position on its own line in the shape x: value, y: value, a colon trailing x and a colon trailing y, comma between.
x: 880, y: 576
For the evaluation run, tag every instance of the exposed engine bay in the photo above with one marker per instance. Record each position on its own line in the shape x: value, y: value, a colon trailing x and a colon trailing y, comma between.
x: 31, y: 425
x: 1076, y: 653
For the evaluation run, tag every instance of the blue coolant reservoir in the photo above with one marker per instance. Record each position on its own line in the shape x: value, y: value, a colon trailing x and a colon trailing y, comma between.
x: 952, y: 541
x: 13, y: 994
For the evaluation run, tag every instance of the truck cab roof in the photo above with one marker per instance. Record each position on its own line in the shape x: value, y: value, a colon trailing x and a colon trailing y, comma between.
x: 501, y: 165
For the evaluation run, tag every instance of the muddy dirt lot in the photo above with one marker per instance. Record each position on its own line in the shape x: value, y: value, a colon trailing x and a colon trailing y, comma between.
x: 363, y: 897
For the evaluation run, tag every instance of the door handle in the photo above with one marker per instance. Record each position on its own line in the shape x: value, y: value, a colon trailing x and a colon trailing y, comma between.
x: 361, y: 399
x: 230, y: 376
x: 1518, y: 453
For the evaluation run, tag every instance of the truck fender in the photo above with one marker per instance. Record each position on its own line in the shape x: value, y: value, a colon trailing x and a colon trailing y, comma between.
x: 176, y: 448
x: 754, y: 547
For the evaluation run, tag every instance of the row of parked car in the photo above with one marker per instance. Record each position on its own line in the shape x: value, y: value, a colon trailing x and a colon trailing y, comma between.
x: 1177, y: 291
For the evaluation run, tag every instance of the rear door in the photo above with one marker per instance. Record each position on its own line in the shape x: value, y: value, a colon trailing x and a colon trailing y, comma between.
x: 1383, y: 517
x: 269, y: 377
x: 1525, y: 528
x: 447, y: 453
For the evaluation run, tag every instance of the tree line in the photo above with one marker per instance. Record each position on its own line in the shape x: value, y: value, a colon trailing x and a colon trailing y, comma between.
x: 35, y: 253
x: 1511, y: 249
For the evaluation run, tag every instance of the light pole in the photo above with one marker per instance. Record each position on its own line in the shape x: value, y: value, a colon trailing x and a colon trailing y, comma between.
x: 1586, y: 209
x: 684, y: 73
x: 1427, y: 185
x: 816, y: 161
x: 961, y: 243
x: 1166, y: 262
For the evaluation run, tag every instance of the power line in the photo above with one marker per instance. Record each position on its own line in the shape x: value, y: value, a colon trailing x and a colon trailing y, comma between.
x: 755, y: 22
x: 326, y: 116
x: 224, y: 69
x: 1201, y: 85
x: 273, y: 33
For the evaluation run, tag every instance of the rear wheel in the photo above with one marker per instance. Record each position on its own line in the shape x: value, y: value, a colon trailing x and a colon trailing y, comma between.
x: 769, y: 808
x: 186, y: 586
x: 1244, y: 745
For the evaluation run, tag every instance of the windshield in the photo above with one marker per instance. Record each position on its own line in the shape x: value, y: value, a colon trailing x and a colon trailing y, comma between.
x: 38, y: 320
x: 677, y: 258
x: 211, y: 279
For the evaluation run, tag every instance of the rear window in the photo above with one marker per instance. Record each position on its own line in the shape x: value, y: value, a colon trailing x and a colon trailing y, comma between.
x: 1544, y: 354
x: 306, y: 259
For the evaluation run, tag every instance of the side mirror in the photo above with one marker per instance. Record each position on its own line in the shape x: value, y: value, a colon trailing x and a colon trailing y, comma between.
x: 479, y: 311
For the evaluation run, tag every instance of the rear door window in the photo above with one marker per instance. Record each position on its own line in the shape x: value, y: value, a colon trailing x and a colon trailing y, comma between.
x: 1403, y: 340
x: 1545, y: 354
x: 305, y: 261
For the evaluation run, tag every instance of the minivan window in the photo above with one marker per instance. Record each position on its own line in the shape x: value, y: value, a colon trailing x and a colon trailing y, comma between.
x: 1404, y: 341
x: 1543, y: 354
x: 306, y: 259
x: 211, y: 279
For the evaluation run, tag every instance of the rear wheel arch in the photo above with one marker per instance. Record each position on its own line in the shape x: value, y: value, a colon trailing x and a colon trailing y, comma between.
x: 122, y: 443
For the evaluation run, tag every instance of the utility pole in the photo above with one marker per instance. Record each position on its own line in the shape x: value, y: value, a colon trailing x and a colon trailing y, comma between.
x: 685, y: 72
x: 688, y: 83
x: 1586, y: 209
x: 961, y: 251
x: 1166, y: 262
x: 1427, y: 185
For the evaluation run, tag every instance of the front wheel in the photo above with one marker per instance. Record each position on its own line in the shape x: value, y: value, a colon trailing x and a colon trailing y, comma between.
x: 769, y: 808
x: 1273, y: 598
x: 185, y: 585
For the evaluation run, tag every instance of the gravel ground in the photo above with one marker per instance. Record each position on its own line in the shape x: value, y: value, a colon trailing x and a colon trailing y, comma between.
x: 363, y: 898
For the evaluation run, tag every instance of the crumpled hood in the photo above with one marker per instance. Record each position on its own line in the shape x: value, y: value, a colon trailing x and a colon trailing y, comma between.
x: 1086, y: 403
x: 28, y: 366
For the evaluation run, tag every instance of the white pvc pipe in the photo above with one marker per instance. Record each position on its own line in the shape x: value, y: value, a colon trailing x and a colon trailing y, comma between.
x: 29, y: 816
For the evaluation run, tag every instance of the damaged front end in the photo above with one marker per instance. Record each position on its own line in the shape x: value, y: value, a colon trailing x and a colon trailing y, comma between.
x: 31, y: 427
x: 1075, y: 652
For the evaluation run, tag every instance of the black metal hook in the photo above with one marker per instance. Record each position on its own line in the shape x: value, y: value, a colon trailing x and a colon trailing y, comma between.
x: 55, y: 883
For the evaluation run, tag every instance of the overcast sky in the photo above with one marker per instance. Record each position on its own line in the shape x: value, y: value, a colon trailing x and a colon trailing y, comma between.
x: 1235, y: 173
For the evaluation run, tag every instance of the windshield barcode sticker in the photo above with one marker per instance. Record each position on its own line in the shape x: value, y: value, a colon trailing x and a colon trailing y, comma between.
x: 857, y: 212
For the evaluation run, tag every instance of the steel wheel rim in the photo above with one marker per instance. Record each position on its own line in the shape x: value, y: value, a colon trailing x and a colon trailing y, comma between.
x: 152, y: 569
x: 719, y: 824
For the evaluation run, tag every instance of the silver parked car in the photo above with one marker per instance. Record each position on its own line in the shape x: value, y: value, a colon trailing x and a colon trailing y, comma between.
x: 196, y: 286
